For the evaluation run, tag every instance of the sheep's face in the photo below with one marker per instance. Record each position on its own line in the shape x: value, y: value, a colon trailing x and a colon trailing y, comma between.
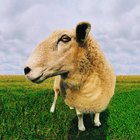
x: 56, y: 55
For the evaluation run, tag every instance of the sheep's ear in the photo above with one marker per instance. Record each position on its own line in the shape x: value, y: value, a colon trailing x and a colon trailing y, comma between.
x: 82, y: 31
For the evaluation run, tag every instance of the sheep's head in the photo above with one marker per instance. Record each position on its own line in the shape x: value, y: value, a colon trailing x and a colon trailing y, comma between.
x: 56, y: 55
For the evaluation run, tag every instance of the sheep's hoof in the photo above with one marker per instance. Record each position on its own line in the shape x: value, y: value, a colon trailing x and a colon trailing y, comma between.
x: 97, y: 124
x: 52, y: 110
x: 82, y: 128
x: 71, y: 107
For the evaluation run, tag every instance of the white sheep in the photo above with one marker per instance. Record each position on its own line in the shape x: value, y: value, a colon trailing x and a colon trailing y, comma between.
x: 87, y: 80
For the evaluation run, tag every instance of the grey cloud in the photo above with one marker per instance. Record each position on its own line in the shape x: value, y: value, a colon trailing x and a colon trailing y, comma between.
x: 115, y: 24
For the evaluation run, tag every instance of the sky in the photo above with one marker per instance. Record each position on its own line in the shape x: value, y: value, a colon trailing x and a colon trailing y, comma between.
x: 115, y: 25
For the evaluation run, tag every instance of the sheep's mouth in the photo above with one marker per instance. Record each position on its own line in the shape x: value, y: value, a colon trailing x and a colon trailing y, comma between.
x: 36, y: 80
x: 47, y: 75
x: 52, y: 74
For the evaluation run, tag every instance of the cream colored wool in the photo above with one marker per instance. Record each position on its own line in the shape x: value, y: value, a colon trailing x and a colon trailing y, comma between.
x: 87, y: 79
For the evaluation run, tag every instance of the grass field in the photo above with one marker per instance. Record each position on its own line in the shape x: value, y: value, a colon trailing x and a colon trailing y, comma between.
x: 24, y: 113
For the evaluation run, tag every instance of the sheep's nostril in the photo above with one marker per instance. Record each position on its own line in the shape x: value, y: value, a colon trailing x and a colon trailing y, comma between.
x: 27, y: 70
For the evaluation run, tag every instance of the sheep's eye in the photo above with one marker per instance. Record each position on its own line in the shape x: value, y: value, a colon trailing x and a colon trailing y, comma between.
x: 64, y: 38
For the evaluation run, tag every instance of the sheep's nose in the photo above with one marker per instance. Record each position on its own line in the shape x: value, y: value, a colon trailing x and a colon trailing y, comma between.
x: 27, y: 70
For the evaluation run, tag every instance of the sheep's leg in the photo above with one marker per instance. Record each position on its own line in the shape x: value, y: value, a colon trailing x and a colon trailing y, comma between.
x: 97, y: 120
x: 56, y: 91
x: 81, y: 126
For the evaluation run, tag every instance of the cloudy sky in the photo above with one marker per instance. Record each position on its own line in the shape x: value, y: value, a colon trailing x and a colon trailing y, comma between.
x: 115, y: 24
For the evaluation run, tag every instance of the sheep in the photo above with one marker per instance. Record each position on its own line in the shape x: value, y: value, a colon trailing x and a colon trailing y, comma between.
x: 87, y: 79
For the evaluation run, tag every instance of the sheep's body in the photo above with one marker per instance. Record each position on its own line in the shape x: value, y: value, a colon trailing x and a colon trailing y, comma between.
x: 90, y: 86
x: 87, y: 79
x: 56, y: 88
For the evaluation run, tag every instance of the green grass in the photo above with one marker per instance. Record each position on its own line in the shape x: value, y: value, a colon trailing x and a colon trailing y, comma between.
x: 24, y: 113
